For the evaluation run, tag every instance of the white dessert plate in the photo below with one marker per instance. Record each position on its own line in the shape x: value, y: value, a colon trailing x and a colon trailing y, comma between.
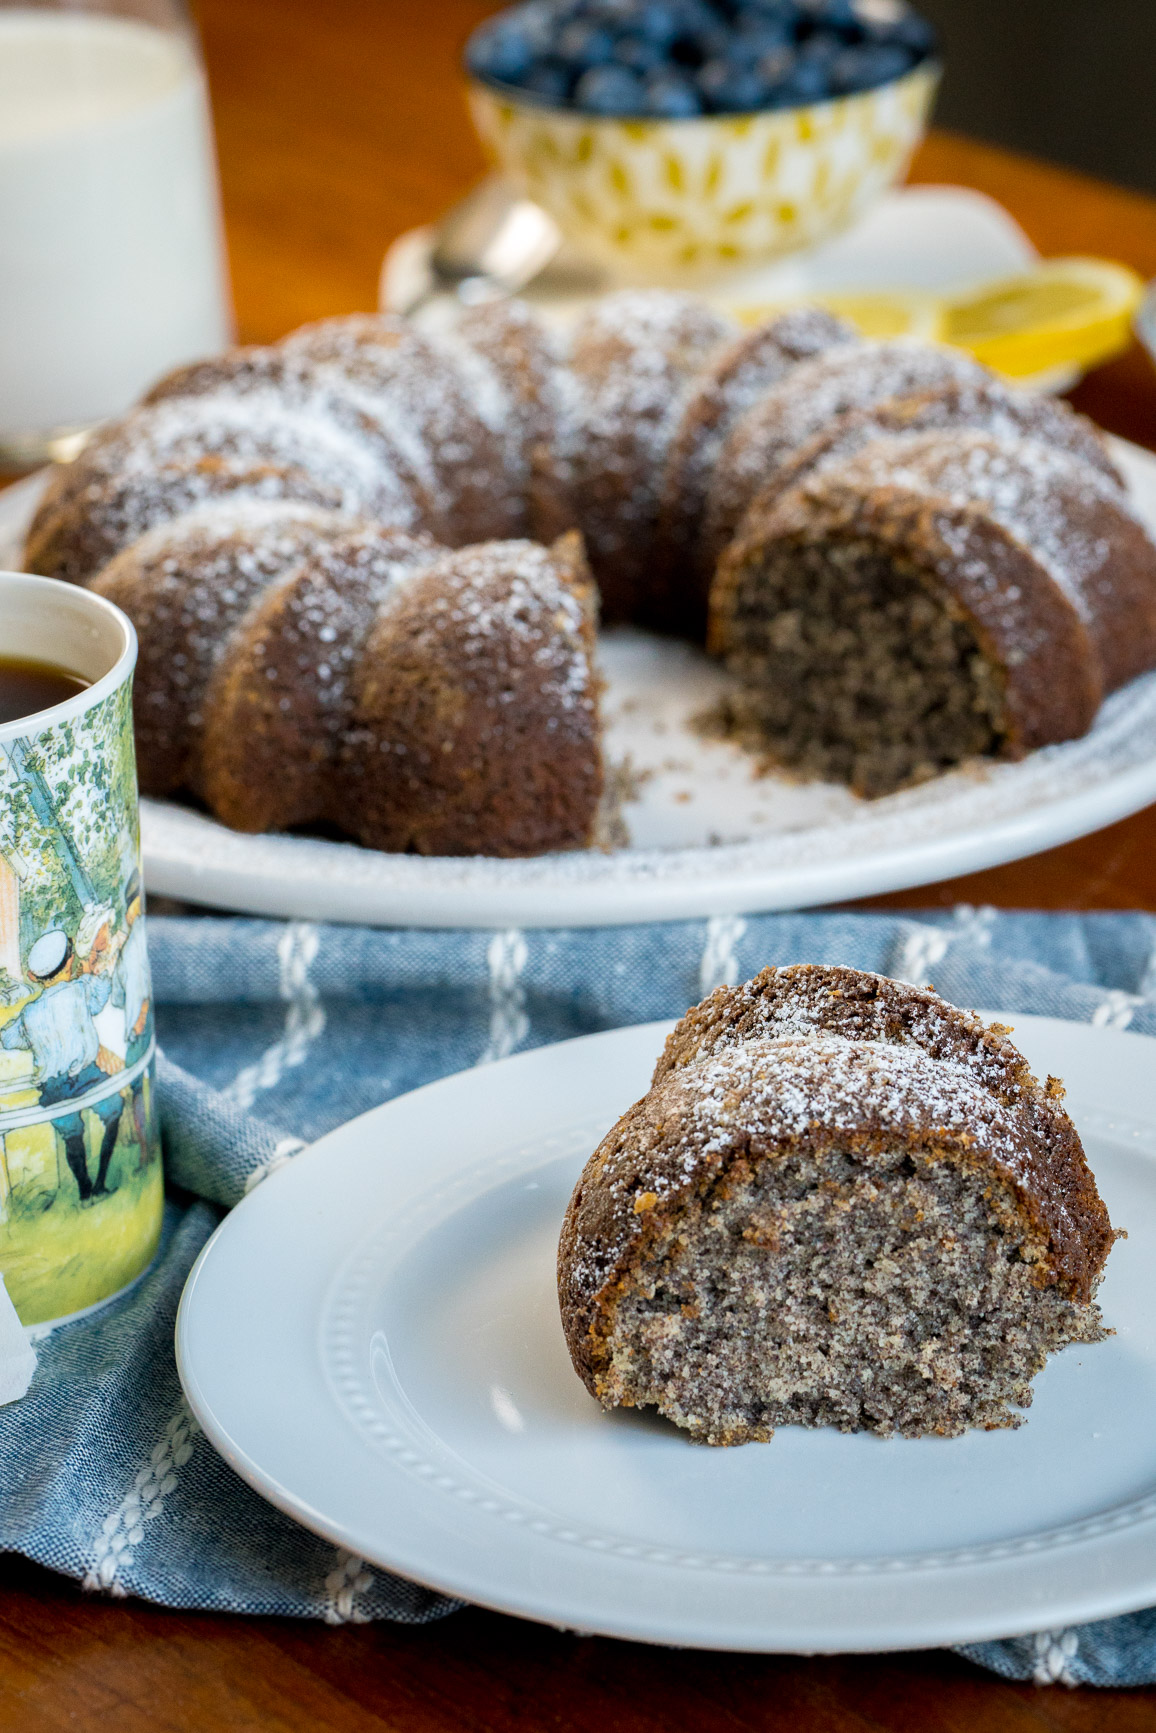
x: 709, y: 835
x: 371, y: 1339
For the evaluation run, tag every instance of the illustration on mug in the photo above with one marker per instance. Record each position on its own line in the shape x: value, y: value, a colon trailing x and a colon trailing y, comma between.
x: 80, y: 1171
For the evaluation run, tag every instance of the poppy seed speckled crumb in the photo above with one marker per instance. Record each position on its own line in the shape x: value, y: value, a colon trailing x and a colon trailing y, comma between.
x: 842, y: 1203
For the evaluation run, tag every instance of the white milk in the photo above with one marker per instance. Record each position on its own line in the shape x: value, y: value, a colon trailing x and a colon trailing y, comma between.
x: 110, y: 250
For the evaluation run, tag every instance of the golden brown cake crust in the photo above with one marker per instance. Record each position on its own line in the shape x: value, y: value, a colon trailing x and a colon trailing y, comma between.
x: 792, y: 1061
x: 633, y: 359
x: 529, y: 363
x: 186, y: 586
x: 1038, y: 551
x: 477, y: 690
x: 453, y: 423
x: 867, y: 1007
x: 88, y: 514
x: 843, y: 379
x: 281, y: 699
x: 989, y: 407
x: 251, y: 422
x: 730, y: 383
x: 302, y: 374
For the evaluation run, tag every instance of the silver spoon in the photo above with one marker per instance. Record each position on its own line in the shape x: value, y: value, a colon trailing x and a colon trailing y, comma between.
x: 488, y: 246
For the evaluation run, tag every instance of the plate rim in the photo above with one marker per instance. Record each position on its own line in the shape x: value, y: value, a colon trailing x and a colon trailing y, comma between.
x: 1069, y: 1605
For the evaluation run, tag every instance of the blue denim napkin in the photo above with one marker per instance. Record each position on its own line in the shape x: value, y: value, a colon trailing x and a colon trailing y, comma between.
x: 273, y: 1034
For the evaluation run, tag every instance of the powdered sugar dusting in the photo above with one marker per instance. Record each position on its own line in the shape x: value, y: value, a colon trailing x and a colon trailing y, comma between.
x: 634, y: 357
x: 851, y: 377
x: 778, y: 1091
x: 1029, y: 487
x: 526, y: 358
x: 793, y: 1087
x: 856, y: 1004
x: 249, y: 517
x: 726, y: 388
x: 258, y: 427
x: 441, y: 404
x: 185, y: 586
x: 635, y: 354
x: 989, y: 408
x: 306, y: 637
x: 514, y: 592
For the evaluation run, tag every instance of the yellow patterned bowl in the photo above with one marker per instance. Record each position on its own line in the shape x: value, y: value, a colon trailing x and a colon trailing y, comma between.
x: 655, y: 200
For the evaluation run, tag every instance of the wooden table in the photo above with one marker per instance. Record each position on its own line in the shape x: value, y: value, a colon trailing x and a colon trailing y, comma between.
x: 339, y: 125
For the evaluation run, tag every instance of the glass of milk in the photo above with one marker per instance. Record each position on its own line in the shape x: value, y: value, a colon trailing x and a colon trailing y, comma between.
x: 111, y: 258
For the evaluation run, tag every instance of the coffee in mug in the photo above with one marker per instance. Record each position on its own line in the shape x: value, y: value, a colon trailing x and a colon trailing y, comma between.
x: 81, y: 1189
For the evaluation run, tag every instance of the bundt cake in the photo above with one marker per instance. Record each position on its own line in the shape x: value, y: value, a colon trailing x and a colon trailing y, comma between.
x: 280, y: 523
x: 300, y: 666
x: 730, y: 383
x: 843, y: 1202
x: 633, y: 360
x: 935, y: 597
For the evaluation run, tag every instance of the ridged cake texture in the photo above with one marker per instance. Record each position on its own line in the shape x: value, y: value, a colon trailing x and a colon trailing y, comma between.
x: 903, y: 563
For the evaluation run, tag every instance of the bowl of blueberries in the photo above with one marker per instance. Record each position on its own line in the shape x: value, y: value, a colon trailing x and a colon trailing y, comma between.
x: 684, y: 138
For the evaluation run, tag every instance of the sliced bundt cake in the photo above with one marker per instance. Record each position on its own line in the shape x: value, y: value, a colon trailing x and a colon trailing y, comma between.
x: 843, y: 1202
x: 846, y: 377
x: 886, y: 608
x: 729, y: 385
x: 935, y: 597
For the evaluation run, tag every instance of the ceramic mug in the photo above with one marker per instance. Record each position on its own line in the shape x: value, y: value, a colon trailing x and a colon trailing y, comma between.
x: 81, y: 1189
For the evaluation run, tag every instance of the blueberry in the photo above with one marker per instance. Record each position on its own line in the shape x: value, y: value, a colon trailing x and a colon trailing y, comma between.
x: 782, y: 96
x: 729, y: 87
x: 549, y: 79
x: 614, y: 14
x: 540, y: 21
x: 699, y: 14
x: 865, y: 68
x: 917, y: 34
x: 694, y: 18
x: 781, y: 13
x: 848, y: 71
x: 820, y: 50
x: 585, y: 45
x: 809, y: 82
x: 656, y: 22
x: 672, y: 97
x: 609, y: 90
x: 907, y: 31
x: 640, y: 53
x: 830, y: 15
x: 776, y: 69
x: 754, y: 37
x: 699, y: 46
x: 501, y: 51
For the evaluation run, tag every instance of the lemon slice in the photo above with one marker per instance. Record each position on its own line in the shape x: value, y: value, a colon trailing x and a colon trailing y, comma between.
x: 1075, y: 311
x: 894, y: 313
x: 882, y: 314
x: 1062, y: 313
